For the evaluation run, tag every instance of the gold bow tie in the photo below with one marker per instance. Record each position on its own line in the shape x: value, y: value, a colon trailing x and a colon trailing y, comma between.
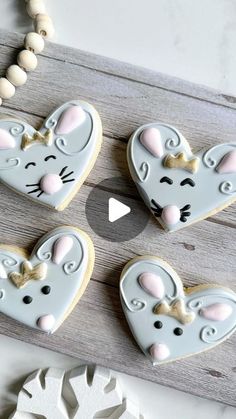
x: 180, y: 161
x: 177, y: 310
x: 38, y: 138
x: 28, y: 273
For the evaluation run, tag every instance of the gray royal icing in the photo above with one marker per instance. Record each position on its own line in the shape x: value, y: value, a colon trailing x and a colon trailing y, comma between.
x: 212, y: 311
x: 73, y: 149
x: 213, y: 184
x: 65, y: 255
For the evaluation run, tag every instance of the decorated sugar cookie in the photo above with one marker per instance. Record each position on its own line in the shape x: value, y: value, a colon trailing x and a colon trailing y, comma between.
x: 42, y: 289
x: 180, y: 187
x: 168, y: 321
x: 51, y: 164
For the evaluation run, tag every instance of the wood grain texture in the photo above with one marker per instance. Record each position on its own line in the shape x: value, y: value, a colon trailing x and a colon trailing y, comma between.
x: 126, y: 97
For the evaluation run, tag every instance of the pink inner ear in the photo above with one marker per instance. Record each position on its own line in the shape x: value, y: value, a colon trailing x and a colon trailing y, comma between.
x: 217, y: 312
x: 228, y: 163
x: 151, y: 140
x: 61, y: 247
x: 6, y: 140
x: 70, y: 119
x: 152, y: 284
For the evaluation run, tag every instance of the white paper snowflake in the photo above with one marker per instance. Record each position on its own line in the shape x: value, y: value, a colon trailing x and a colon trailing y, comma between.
x: 78, y: 395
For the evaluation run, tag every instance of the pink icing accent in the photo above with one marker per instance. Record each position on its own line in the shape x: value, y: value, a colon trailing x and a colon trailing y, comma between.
x: 70, y: 119
x: 61, y: 247
x: 218, y: 312
x: 151, y: 140
x: 51, y: 184
x: 6, y: 140
x: 228, y: 163
x: 159, y: 352
x: 170, y: 214
x: 46, y: 323
x: 152, y: 284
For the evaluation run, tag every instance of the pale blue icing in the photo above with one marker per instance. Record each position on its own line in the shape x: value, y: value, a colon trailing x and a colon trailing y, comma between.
x: 65, y: 279
x: 211, y: 192
x: 74, y: 150
x: 138, y: 306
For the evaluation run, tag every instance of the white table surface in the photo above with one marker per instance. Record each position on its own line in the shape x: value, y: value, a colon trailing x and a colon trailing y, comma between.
x: 194, y: 40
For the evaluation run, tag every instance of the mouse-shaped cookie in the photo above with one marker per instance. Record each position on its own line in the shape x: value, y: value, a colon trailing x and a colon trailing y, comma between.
x: 168, y: 321
x: 42, y: 289
x: 180, y: 187
x: 51, y: 164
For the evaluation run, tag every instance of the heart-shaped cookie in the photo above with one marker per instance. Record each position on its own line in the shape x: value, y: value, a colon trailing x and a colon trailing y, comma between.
x: 50, y: 165
x: 168, y: 321
x: 179, y: 187
x: 42, y: 289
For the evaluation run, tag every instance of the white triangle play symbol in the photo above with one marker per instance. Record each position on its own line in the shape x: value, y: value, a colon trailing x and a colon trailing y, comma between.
x: 117, y: 210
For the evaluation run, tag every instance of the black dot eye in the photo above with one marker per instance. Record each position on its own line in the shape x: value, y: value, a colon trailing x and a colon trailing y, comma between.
x: 167, y: 180
x: 178, y: 331
x: 187, y: 181
x: 27, y: 299
x: 46, y: 290
x: 158, y: 324
x: 50, y: 157
x: 31, y: 163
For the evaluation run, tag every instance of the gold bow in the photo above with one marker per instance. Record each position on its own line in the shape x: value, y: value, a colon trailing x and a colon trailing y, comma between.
x: 177, y: 310
x: 28, y: 141
x: 180, y: 161
x: 28, y: 273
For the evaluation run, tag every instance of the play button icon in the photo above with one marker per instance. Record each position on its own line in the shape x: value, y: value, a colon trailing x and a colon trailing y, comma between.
x: 115, y: 211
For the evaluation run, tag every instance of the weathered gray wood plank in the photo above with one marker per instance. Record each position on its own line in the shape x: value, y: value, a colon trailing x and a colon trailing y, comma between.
x: 126, y: 97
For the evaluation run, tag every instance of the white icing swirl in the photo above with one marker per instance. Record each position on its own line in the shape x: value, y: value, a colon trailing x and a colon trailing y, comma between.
x: 15, y: 163
x: 227, y: 188
x: 18, y: 130
x: 172, y: 143
x: 208, y: 160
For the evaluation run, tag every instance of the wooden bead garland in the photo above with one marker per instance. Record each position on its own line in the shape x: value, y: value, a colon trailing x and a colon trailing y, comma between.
x: 16, y: 75
x: 27, y: 60
x: 34, y: 44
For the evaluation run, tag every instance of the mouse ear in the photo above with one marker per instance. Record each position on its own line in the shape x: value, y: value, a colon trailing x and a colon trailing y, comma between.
x: 64, y: 247
x: 70, y: 119
x: 150, y: 138
x: 148, y: 147
x: 146, y: 281
x: 7, y: 141
x: 227, y: 164
x: 152, y: 284
x: 215, y: 310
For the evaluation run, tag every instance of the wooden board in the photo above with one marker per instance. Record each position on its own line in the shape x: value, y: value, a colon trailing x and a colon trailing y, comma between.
x: 126, y: 97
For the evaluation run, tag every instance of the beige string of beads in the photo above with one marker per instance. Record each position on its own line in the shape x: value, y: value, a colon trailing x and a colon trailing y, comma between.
x: 16, y: 74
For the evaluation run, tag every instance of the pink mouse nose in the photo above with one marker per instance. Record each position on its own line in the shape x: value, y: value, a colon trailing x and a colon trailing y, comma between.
x: 51, y: 184
x: 170, y: 214
x: 159, y: 352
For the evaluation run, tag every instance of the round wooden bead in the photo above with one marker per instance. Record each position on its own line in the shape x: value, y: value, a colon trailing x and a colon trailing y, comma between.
x: 34, y: 42
x: 16, y: 75
x: 7, y: 90
x: 35, y: 7
x: 27, y: 60
x: 44, y: 26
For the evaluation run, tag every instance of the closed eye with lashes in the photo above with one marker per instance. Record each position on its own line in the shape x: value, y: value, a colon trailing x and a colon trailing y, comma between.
x: 166, y: 180
x: 187, y: 181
